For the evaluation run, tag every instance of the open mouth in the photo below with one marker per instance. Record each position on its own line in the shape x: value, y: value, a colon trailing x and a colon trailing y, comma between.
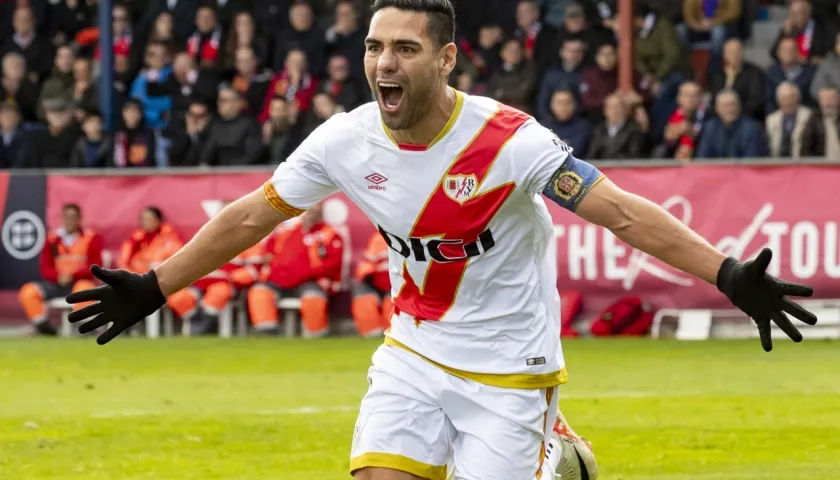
x: 390, y: 96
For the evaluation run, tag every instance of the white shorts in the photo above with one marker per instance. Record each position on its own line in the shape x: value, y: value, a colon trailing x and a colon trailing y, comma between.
x: 420, y: 419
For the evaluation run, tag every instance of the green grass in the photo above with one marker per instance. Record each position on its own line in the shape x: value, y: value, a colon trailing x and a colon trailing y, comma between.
x: 274, y: 409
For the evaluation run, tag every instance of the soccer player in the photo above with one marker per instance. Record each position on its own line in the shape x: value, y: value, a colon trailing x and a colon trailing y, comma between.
x: 472, y: 361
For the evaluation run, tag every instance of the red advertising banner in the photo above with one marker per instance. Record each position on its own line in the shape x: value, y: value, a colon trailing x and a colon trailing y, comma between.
x: 739, y: 209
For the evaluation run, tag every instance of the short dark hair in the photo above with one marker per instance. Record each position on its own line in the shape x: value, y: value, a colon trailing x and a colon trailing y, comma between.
x: 441, y: 14
x: 72, y: 206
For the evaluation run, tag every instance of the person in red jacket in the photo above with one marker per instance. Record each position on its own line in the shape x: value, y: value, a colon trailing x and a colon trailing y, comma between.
x: 303, y: 260
x: 65, y: 262
x: 371, y: 305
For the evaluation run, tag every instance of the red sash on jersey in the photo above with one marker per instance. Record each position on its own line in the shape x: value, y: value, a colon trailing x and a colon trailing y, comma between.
x: 804, y: 40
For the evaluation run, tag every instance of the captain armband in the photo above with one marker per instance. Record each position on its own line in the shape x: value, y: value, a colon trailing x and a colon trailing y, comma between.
x: 571, y: 182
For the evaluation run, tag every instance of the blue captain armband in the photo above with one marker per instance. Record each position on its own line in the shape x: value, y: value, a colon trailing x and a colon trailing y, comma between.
x: 571, y: 182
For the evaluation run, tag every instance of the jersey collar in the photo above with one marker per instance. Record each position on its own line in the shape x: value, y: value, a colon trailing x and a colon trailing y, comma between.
x: 459, y: 102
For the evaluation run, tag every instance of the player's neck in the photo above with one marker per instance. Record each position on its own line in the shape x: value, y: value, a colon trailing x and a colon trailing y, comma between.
x: 431, y: 126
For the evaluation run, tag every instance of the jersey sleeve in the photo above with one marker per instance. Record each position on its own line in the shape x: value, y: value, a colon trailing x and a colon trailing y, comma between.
x: 545, y: 164
x: 302, y: 180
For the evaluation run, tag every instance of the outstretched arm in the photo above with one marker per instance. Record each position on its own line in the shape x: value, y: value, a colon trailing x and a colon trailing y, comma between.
x: 648, y: 227
x: 240, y: 226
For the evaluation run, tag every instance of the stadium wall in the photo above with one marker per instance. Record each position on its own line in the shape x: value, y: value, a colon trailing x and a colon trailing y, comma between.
x: 792, y: 208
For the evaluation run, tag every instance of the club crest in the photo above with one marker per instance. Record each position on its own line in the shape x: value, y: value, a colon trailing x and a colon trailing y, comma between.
x: 460, y: 187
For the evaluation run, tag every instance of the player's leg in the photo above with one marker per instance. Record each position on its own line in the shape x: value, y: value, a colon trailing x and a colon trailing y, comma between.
x: 314, y: 310
x: 184, y: 302
x: 366, y: 310
x: 33, y: 297
x: 501, y: 431
x: 80, y: 285
x: 569, y: 455
x: 402, y: 432
x: 262, y: 307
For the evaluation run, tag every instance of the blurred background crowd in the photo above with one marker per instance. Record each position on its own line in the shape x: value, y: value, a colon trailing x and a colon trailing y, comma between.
x: 241, y: 82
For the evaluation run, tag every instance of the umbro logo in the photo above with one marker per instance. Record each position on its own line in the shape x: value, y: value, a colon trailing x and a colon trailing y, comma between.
x: 376, y: 180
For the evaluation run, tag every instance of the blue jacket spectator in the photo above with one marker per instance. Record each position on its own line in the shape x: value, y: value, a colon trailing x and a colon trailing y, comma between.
x: 731, y: 134
x: 788, y: 69
x: 563, y: 77
x: 150, y: 89
x: 567, y: 124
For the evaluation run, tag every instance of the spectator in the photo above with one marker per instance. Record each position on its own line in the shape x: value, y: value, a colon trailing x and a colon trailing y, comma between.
x: 343, y: 89
x: 293, y: 270
x: 234, y: 138
x: 251, y: 81
x: 149, y: 87
x: 35, y: 49
x: 464, y: 76
x: 163, y: 31
x: 60, y: 82
x: 152, y: 243
x: 554, y: 11
x: 539, y: 39
x: 712, y: 20
x: 303, y: 35
x: 226, y: 10
x: 731, y: 134
x: 788, y: 68
x: 746, y: 79
x: 785, y: 125
x: 123, y: 38
x: 567, y: 123
x: 85, y: 91
x: 371, y: 307
x: 601, y: 80
x: 618, y: 136
x: 122, y: 71
x: 661, y: 60
x: 346, y: 37
x: 828, y: 73
x: 685, y: 125
x: 16, y: 87
x: 205, y: 43
x: 566, y: 76
x: 95, y: 148
x: 51, y: 147
x: 277, y: 130
x: 65, y: 263
x: 11, y: 137
x: 486, y: 54
x: 188, y: 83
x: 821, y: 137
x: 293, y: 83
x: 323, y: 108
x: 188, y: 144
x: 135, y: 144
x: 244, y: 35
x: 576, y: 27
x: 811, y: 37
x: 182, y: 12
x: 271, y: 16
x: 515, y: 83
x: 69, y: 17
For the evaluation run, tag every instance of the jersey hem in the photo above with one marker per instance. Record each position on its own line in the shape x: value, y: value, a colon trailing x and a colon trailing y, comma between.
x: 520, y: 381
x: 397, y: 462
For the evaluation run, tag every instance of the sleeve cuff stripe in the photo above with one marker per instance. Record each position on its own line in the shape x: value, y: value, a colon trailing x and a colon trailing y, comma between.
x: 278, y: 203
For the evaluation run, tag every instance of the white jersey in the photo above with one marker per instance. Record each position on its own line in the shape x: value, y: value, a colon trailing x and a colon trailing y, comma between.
x: 472, y: 265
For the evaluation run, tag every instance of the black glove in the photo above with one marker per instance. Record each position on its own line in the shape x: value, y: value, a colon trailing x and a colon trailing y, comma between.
x: 124, y: 300
x: 762, y: 296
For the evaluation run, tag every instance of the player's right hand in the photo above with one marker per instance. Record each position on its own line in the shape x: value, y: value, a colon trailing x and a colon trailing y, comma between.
x: 125, y: 299
x: 764, y: 297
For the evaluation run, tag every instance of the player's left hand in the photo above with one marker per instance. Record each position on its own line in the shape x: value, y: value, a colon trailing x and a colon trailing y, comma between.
x: 764, y: 297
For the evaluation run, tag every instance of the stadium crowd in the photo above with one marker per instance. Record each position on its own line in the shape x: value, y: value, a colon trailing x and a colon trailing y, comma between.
x: 240, y: 82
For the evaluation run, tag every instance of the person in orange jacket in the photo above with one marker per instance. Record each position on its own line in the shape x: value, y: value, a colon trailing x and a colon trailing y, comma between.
x: 202, y: 301
x: 149, y: 245
x: 303, y: 260
x: 65, y: 265
x: 371, y: 305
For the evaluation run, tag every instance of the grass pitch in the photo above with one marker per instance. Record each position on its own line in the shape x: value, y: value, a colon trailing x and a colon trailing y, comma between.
x: 284, y: 410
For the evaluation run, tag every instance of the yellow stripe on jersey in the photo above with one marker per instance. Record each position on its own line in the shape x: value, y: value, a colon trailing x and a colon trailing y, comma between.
x: 277, y: 202
x: 398, y: 462
x: 523, y: 381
